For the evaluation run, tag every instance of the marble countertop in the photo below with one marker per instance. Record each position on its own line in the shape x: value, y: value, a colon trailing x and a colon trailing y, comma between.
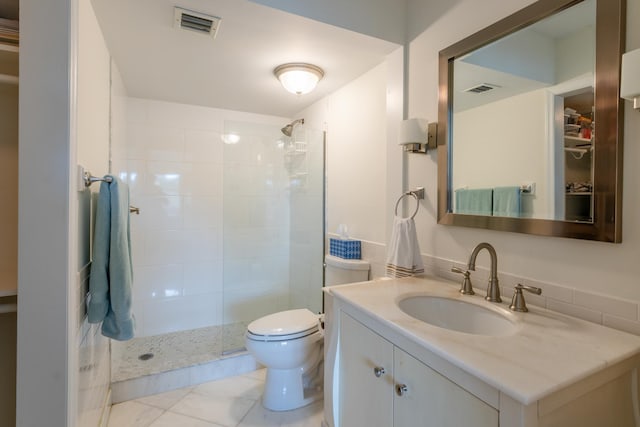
x: 548, y: 352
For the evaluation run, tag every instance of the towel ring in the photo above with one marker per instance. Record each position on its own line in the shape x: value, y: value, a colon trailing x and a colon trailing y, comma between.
x: 415, y: 196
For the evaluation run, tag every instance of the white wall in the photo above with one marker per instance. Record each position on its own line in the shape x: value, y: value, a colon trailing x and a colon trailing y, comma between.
x: 47, y: 264
x: 355, y: 119
x: 601, y: 268
x: 364, y: 164
x: 526, y: 54
x: 573, y: 59
x: 522, y: 120
x: 94, y: 94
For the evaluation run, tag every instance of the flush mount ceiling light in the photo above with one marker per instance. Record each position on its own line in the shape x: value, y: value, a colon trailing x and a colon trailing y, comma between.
x: 298, y: 78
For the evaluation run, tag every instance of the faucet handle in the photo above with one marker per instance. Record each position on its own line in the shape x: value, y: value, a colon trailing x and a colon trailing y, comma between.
x: 466, y: 288
x: 517, y: 302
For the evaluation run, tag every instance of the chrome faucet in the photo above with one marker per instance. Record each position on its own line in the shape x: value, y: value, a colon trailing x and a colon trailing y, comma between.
x: 493, y: 288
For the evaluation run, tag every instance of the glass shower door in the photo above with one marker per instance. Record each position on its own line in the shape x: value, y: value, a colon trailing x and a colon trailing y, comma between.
x: 273, y: 216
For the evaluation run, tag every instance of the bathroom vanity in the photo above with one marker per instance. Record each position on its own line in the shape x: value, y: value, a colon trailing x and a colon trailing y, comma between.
x: 483, y: 365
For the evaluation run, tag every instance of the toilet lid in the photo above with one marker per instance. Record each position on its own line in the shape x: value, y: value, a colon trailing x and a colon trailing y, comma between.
x: 284, y: 323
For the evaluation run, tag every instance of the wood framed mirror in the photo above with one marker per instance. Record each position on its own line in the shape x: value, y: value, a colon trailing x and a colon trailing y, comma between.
x: 572, y: 186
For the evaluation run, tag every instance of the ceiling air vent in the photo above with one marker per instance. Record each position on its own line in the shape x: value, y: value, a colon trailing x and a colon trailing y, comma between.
x: 481, y: 88
x: 195, y: 21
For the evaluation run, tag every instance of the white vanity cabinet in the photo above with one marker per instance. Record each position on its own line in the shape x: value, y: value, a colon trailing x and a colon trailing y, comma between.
x: 382, y: 385
x: 366, y: 376
x: 552, y: 371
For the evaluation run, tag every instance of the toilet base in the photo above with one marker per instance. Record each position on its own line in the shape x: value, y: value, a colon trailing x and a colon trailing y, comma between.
x: 284, y: 390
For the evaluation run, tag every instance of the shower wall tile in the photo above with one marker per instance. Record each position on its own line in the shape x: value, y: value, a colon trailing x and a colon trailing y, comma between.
x: 235, y: 272
x: 202, y: 245
x: 155, y: 143
x: 161, y: 212
x: 203, y: 179
x: 177, y: 314
x: 202, y: 212
x: 165, y: 178
x: 158, y: 281
x: 186, y: 116
x: 164, y: 247
x: 203, y: 277
x: 176, y: 164
x: 163, y: 144
x: 130, y: 171
x: 203, y: 146
x: 244, y: 304
x: 137, y: 242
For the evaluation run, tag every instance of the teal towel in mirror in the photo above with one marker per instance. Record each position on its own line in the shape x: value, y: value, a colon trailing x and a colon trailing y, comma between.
x: 111, y: 268
x: 506, y: 201
x: 477, y: 201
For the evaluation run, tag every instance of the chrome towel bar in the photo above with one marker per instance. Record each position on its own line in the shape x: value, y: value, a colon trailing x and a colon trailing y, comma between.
x: 90, y: 179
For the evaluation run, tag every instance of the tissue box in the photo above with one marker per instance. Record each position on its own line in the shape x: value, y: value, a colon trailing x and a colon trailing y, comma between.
x: 348, y: 249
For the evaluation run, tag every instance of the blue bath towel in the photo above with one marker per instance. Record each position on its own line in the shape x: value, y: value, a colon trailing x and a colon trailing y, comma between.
x: 474, y: 202
x: 506, y: 201
x: 111, y: 269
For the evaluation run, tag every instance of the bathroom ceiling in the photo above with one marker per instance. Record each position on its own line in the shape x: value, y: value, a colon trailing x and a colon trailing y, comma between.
x: 235, y: 70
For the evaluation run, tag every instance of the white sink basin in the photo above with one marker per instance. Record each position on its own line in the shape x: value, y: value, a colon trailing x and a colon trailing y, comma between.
x: 458, y: 315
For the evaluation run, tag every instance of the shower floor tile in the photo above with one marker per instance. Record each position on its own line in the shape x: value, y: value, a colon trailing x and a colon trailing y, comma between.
x: 232, y: 401
x: 161, y: 353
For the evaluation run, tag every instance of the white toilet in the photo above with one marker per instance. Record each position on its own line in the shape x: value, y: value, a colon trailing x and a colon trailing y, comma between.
x: 289, y: 344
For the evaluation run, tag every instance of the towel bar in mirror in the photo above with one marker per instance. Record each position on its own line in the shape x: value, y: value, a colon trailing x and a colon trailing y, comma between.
x: 521, y: 77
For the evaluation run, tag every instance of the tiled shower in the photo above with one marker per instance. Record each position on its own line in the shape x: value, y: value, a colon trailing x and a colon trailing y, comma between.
x: 230, y: 228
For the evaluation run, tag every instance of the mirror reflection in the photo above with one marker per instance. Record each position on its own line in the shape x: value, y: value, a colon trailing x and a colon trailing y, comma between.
x: 522, y: 122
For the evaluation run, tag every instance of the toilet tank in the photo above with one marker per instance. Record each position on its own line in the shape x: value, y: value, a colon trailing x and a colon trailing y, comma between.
x: 339, y: 270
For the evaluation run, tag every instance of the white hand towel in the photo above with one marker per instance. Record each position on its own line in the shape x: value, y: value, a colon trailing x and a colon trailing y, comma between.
x: 403, y: 256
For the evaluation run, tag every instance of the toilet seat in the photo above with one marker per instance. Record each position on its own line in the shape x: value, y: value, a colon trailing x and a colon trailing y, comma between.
x: 283, y: 326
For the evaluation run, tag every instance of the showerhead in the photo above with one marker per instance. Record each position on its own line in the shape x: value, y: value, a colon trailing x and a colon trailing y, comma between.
x: 288, y: 129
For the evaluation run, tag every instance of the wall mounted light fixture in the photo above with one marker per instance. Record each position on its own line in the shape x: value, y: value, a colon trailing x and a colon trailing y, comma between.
x: 417, y: 135
x: 630, y: 79
x: 297, y: 77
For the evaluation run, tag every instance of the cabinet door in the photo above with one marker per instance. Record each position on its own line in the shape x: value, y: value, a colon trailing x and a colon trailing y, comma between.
x: 431, y: 400
x: 366, y: 400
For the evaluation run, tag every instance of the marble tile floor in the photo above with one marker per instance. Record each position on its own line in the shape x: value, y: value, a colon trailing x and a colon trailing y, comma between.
x: 229, y: 402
